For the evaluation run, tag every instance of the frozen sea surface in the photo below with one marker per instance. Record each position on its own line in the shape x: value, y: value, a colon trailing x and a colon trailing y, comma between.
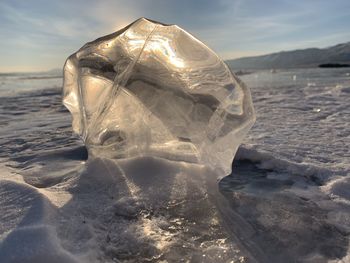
x: 287, y: 200
x: 303, y: 122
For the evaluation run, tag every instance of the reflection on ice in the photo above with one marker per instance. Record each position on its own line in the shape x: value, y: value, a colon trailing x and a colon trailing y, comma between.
x: 147, y: 209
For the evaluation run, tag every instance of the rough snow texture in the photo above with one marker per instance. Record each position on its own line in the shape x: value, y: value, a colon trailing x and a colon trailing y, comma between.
x: 154, y: 90
x: 286, y: 201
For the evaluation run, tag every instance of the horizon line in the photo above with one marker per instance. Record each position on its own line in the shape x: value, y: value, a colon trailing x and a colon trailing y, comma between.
x: 227, y: 59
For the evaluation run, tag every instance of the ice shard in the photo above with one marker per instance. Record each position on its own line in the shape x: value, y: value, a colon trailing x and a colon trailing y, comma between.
x: 152, y: 89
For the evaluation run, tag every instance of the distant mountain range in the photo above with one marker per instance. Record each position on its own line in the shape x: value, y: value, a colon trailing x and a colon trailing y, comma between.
x: 335, y: 56
x: 310, y: 57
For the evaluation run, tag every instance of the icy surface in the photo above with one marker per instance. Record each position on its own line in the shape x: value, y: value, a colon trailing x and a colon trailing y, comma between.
x: 303, y: 126
x: 154, y: 90
x: 286, y: 201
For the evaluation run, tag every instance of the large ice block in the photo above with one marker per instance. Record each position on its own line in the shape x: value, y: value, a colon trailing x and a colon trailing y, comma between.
x: 152, y: 89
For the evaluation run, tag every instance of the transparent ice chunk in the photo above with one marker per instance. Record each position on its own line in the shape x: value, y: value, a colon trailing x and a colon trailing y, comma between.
x: 155, y: 90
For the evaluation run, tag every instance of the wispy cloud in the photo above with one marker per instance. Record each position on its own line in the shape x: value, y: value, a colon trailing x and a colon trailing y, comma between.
x: 41, y: 34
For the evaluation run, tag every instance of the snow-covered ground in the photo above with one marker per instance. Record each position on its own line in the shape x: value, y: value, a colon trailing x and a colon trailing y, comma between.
x: 287, y: 200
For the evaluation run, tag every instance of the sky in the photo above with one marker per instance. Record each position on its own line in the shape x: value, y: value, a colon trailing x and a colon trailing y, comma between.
x: 38, y: 35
